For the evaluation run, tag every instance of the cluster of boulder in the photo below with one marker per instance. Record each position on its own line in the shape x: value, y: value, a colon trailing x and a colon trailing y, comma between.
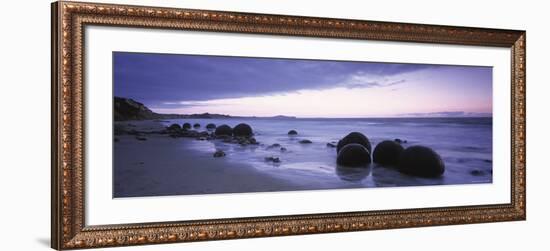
x: 354, y: 150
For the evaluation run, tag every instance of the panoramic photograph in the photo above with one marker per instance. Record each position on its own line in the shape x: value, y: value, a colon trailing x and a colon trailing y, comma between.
x: 201, y: 124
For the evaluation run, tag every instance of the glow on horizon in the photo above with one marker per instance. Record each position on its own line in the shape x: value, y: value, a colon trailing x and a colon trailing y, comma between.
x: 420, y: 94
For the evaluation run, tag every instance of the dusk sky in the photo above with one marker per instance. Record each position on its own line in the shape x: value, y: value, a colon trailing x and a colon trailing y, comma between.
x: 241, y: 86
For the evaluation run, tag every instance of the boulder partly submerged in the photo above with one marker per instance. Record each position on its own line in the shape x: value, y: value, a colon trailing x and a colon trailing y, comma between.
x: 421, y: 161
x: 223, y: 130
x: 242, y: 130
x: 353, y: 155
x: 354, y: 138
x: 387, y: 153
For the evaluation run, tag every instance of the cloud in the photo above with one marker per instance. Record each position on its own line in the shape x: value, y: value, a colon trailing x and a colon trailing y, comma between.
x: 163, y: 79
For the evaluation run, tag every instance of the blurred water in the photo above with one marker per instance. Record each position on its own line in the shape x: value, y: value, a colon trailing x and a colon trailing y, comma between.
x: 465, y: 144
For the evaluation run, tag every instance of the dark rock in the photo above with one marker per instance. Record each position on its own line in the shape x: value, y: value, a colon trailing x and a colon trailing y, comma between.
x: 353, y: 155
x: 387, y: 152
x: 204, y: 134
x: 292, y: 132
x: 219, y: 153
x: 141, y: 138
x: 223, y: 130
x: 421, y: 161
x: 274, y: 146
x: 283, y: 149
x: 273, y: 159
x: 253, y: 141
x: 331, y: 145
x: 186, y: 126
x: 211, y: 126
x: 356, y: 138
x: 477, y: 172
x: 174, y: 127
x: 196, y: 125
x: 305, y: 141
x: 243, y: 130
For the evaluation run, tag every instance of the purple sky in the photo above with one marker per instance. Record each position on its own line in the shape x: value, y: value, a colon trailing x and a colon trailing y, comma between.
x: 241, y: 86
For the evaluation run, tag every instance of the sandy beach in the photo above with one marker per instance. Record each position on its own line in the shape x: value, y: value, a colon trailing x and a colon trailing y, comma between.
x: 162, y: 165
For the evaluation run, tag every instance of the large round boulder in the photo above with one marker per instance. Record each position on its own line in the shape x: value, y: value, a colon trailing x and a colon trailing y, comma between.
x: 186, y: 126
x: 356, y: 138
x: 242, y: 130
x: 387, y: 152
x: 223, y: 130
x: 292, y: 132
x: 421, y: 161
x: 174, y: 127
x: 353, y: 155
x: 211, y: 126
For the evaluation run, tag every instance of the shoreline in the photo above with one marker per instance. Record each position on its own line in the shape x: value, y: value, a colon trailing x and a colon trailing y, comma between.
x: 161, y: 166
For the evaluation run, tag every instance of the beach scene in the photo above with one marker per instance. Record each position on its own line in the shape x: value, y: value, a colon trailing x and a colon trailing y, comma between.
x: 196, y: 125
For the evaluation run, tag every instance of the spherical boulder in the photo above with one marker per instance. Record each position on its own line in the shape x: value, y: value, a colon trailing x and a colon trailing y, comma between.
x: 223, y: 130
x: 421, y: 161
x: 354, y: 137
x: 211, y: 126
x: 387, y: 153
x: 186, y: 126
x: 197, y: 125
x: 353, y: 155
x: 242, y: 130
x: 174, y: 127
x: 292, y: 132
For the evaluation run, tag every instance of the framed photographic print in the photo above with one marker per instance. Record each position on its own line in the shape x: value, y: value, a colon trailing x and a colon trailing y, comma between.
x: 176, y: 125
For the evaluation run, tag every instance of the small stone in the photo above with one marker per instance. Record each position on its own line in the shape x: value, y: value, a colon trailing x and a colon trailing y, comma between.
x: 219, y: 153
x: 292, y: 132
x: 273, y: 159
x: 331, y: 145
x: 305, y: 141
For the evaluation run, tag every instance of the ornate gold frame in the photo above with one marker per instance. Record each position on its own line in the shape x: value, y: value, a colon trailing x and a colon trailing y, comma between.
x: 68, y: 228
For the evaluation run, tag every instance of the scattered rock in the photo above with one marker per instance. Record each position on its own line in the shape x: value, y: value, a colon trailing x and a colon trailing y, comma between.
x: 174, y: 127
x: 331, y: 145
x: 387, y: 152
x: 141, y: 138
x: 211, y: 126
x: 186, y: 126
x: 202, y: 138
x: 219, y: 153
x: 400, y: 141
x: 353, y: 155
x: 305, y: 141
x: 292, y: 132
x: 356, y: 138
x: 283, y: 149
x: 477, y: 172
x: 274, y: 146
x: 421, y: 161
x: 243, y: 130
x: 224, y: 130
x: 273, y: 159
x: 196, y: 125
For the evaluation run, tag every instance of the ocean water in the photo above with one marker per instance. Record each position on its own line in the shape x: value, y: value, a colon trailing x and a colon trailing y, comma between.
x: 465, y: 145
